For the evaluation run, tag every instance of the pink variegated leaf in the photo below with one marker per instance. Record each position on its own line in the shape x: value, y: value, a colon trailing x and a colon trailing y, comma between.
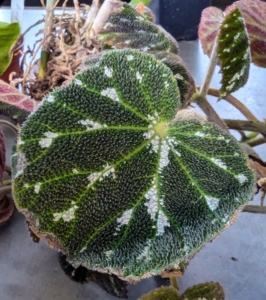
x: 254, y: 14
x: 2, y: 155
x: 211, y: 19
x: 11, y: 95
x: 14, y: 104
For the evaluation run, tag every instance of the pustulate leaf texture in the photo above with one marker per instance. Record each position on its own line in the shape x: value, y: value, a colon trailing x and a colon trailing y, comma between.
x: 104, y: 176
x: 207, y: 290
x: 9, y: 34
x: 254, y: 12
x: 185, y: 82
x: 233, y: 52
x: 130, y: 29
x: 162, y: 293
x: 210, y: 22
x: 2, y: 155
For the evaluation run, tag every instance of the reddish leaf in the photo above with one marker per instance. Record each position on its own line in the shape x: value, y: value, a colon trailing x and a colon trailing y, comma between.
x: 2, y: 155
x: 12, y: 96
x: 254, y: 13
x: 210, y: 23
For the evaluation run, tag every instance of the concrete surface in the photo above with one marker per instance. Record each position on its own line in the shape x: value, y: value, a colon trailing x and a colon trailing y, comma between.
x: 31, y: 271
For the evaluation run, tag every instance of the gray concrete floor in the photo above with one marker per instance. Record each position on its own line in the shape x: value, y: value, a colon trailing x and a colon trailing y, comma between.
x: 31, y: 271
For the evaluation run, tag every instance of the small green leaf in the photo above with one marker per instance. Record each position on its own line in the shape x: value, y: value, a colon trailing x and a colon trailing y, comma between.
x: 145, y: 2
x: 233, y: 53
x: 130, y: 29
x: 207, y: 291
x: 9, y: 34
x: 100, y: 170
x: 162, y: 293
x: 184, y: 80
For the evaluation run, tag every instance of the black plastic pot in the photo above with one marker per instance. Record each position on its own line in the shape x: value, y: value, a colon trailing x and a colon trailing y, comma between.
x: 179, y: 17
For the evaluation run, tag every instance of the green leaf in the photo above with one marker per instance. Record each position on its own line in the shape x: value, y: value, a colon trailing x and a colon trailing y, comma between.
x: 145, y: 2
x: 207, y: 291
x: 184, y: 80
x: 254, y: 12
x: 105, y: 178
x: 9, y: 34
x: 130, y: 29
x: 233, y: 53
x: 162, y: 293
x: 174, y: 62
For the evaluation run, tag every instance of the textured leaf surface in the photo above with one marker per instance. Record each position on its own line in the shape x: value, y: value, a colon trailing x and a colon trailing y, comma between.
x: 9, y: 34
x: 254, y: 12
x: 210, y: 22
x: 100, y: 172
x: 2, y: 155
x: 145, y: 11
x: 208, y: 291
x: 162, y: 293
x: 130, y: 29
x: 233, y: 52
x: 184, y: 80
x: 13, y: 112
x: 10, y: 95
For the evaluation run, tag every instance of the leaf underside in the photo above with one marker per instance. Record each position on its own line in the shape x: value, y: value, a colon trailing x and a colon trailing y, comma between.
x: 13, y: 97
x: 210, y: 22
x: 130, y: 29
x: 9, y: 34
x: 98, y: 170
x: 233, y: 52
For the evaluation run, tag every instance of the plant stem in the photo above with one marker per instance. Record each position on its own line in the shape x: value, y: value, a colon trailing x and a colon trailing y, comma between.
x: 91, y: 16
x: 174, y: 283
x: 255, y: 209
x: 8, y: 170
x: 107, y: 8
x: 7, y: 182
x: 213, y: 62
x: 5, y: 190
x: 9, y: 124
x: 208, y: 110
x: 235, y: 102
x: 256, y: 142
x: 246, y: 125
x: 47, y: 37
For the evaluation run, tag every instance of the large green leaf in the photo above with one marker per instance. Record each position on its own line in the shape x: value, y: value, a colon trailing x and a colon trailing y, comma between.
x: 233, y: 52
x: 130, y: 29
x: 106, y: 179
x: 9, y: 34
